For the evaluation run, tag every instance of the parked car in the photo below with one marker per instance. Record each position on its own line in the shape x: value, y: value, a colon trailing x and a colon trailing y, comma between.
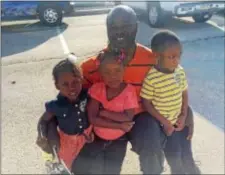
x: 49, y: 12
x: 159, y: 11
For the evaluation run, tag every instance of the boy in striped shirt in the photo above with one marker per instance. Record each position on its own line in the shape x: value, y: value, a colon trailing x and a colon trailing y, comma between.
x: 165, y: 96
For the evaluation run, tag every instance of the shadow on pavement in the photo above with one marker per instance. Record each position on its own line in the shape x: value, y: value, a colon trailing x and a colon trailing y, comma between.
x: 19, y: 38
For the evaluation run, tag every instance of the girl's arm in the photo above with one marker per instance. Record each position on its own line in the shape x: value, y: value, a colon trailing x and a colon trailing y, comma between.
x: 93, y: 116
x: 125, y: 116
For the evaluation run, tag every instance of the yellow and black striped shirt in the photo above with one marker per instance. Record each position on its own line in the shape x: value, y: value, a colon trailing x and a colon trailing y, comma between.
x: 165, y: 91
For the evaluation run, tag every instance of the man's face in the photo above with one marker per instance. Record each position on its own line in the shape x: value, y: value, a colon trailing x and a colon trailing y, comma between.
x: 121, y: 28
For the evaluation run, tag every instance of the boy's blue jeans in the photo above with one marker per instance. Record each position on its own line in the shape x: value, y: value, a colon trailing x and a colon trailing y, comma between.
x: 152, y: 145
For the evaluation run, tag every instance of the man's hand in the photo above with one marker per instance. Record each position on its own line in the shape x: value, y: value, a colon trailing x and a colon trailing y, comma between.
x: 168, y: 128
x: 180, y: 123
x: 55, y: 143
x: 126, y: 126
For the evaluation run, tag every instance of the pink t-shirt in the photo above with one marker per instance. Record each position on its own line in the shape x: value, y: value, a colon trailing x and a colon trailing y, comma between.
x: 127, y: 99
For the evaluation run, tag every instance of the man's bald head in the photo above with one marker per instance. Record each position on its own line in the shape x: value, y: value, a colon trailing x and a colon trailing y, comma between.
x: 121, y: 27
x: 122, y: 12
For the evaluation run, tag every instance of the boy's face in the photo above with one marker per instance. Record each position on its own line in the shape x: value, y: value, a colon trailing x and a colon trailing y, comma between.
x: 112, y: 74
x: 170, y: 58
x: 69, y: 85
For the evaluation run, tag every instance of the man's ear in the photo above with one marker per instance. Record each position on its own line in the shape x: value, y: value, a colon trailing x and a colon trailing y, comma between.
x: 56, y: 86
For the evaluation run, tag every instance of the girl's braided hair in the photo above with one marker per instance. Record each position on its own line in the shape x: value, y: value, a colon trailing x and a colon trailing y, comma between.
x: 66, y: 66
x: 106, y: 56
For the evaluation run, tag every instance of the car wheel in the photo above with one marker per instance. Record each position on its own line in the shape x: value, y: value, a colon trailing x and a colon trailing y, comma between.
x: 201, y: 17
x: 155, y: 15
x: 50, y: 15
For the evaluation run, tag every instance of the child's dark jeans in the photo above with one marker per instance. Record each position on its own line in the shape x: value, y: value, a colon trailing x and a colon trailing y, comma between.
x: 176, y: 148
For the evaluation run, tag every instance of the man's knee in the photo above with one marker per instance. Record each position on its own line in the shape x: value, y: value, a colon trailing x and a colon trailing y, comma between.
x: 146, y: 133
x: 144, y: 121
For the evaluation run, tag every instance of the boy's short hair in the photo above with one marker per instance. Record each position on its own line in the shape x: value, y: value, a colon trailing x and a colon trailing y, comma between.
x: 66, y: 66
x: 163, y: 39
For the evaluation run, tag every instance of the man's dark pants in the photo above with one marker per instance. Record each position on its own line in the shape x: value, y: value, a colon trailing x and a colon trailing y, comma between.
x: 147, y: 140
x: 95, y: 158
x: 101, y: 157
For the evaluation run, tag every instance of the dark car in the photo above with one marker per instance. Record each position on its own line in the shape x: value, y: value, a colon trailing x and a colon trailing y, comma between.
x: 49, y: 12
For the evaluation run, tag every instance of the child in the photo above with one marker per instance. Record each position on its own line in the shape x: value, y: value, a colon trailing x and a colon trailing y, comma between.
x: 165, y: 97
x: 110, y: 110
x: 69, y: 109
x: 117, y: 99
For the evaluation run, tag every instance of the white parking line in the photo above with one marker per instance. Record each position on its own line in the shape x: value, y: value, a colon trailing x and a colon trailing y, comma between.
x: 216, y: 25
x: 63, y: 41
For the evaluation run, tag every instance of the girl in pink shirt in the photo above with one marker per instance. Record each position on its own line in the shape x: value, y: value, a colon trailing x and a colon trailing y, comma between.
x: 113, y: 102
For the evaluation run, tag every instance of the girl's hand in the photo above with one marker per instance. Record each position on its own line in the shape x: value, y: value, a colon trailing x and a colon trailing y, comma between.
x: 43, y: 143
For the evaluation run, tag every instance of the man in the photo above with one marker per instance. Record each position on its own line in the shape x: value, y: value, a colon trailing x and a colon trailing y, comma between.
x: 121, y: 30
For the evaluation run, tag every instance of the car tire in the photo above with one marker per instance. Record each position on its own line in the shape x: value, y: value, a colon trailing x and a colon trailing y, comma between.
x: 203, y: 17
x: 50, y: 15
x: 155, y: 15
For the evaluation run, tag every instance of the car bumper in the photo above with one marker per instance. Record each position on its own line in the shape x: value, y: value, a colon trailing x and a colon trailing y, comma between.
x: 190, y: 9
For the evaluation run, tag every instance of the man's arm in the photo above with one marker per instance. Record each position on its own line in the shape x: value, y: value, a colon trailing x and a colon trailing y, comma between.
x: 184, y: 108
x: 190, y: 123
x: 126, y: 116
x: 47, y: 132
x: 180, y: 124
x: 43, y: 124
x: 190, y: 117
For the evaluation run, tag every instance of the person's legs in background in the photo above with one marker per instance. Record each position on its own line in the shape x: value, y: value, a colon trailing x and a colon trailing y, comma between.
x: 147, y: 141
